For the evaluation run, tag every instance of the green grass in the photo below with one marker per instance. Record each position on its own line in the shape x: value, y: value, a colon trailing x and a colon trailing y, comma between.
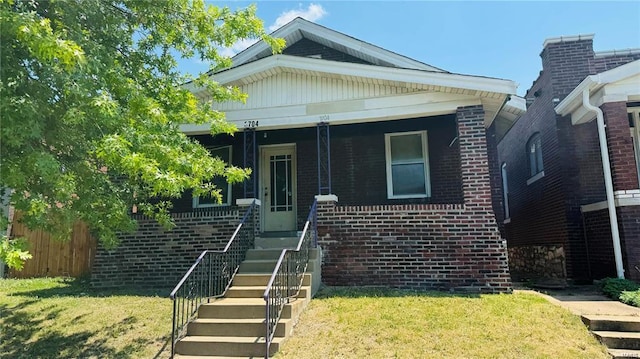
x: 64, y: 318
x: 361, y: 323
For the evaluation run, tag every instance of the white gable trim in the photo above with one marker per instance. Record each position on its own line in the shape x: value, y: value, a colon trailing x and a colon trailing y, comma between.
x: 619, y: 84
x: 350, y: 70
x: 304, y: 26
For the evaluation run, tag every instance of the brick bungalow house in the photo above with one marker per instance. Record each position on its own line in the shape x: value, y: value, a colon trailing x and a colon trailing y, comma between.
x: 555, y: 213
x: 397, y: 150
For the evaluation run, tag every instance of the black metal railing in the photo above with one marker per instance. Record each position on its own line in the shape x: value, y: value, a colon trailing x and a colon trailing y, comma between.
x: 210, y: 276
x: 286, y: 279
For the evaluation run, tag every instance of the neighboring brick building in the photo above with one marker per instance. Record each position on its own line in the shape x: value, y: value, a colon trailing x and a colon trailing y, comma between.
x: 554, y: 209
x: 398, y: 149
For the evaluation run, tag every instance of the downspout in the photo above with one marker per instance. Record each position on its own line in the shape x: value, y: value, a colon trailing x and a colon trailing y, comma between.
x: 608, y: 182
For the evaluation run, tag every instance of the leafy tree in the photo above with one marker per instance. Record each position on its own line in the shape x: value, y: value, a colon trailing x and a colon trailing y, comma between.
x: 90, y: 107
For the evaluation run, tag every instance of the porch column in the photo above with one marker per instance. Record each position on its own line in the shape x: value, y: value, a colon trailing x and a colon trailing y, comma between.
x: 249, y: 147
x: 623, y: 164
x: 474, y: 161
x: 324, y: 158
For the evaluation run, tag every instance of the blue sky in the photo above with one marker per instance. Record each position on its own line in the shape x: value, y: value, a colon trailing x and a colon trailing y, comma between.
x: 497, y: 39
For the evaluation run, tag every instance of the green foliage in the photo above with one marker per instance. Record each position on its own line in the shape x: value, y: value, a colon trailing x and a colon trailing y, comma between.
x: 92, y: 102
x: 613, y: 287
x: 631, y: 297
x: 14, y: 252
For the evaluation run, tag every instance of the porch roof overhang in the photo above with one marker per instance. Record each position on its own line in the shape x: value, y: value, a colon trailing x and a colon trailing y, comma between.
x: 428, y: 93
x: 621, y: 84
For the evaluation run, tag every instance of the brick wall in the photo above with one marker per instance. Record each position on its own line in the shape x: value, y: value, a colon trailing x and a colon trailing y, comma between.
x: 547, y: 212
x: 436, y: 246
x: 598, y: 235
x: 608, y: 62
x: 629, y: 223
x: 155, y: 258
x: 621, y: 153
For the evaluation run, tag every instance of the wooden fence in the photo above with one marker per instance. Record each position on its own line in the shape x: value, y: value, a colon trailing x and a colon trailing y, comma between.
x: 51, y: 257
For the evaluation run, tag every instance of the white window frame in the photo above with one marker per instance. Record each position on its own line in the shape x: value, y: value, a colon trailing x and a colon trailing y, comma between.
x: 635, y: 135
x: 196, y: 199
x: 425, y: 159
x: 505, y: 191
x: 538, y: 155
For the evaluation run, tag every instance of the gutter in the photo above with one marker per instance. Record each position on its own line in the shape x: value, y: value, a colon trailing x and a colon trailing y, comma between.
x: 608, y: 182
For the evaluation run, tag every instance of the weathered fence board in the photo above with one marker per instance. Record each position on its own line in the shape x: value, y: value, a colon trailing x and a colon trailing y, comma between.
x: 51, y: 258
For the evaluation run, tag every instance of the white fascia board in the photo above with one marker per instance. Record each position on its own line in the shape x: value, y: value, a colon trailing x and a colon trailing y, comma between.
x: 345, y: 112
x: 516, y: 105
x: 593, y: 83
x: 369, y: 71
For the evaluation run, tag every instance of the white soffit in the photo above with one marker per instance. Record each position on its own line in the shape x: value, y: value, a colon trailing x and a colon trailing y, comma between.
x: 619, y: 84
x: 274, y: 64
x: 299, y: 28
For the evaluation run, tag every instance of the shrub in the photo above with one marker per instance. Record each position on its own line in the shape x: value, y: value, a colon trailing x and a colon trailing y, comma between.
x: 631, y: 297
x: 613, y: 287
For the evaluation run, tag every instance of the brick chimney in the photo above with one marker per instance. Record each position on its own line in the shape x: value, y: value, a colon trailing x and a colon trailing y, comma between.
x: 568, y: 60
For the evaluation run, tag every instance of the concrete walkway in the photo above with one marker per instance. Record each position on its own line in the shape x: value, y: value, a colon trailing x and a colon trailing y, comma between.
x: 615, y: 324
x: 586, y: 300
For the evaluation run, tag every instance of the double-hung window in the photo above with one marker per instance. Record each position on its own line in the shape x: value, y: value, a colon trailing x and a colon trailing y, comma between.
x: 634, y: 124
x: 407, y: 161
x: 534, y: 154
x: 224, y: 153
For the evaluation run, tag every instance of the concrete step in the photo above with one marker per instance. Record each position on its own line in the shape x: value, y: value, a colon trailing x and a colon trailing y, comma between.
x: 256, y: 279
x: 274, y: 253
x: 624, y: 353
x: 277, y: 242
x: 226, y: 346
x: 257, y: 266
x: 619, y: 340
x: 612, y: 323
x: 244, y: 308
x: 258, y: 292
x: 236, y: 327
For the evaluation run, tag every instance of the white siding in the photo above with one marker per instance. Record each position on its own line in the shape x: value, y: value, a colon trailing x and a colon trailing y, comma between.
x: 287, y: 88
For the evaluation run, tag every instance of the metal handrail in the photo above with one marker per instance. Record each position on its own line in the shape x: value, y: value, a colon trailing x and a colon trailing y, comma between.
x: 287, y: 276
x: 209, y: 277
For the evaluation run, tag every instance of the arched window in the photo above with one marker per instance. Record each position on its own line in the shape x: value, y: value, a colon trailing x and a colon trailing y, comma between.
x: 534, y: 151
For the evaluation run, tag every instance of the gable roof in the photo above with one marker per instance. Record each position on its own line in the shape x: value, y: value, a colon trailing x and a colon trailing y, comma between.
x: 618, y: 84
x: 300, y: 28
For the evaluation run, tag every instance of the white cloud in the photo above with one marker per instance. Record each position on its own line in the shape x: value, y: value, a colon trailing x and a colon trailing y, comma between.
x: 312, y: 13
x: 237, y: 47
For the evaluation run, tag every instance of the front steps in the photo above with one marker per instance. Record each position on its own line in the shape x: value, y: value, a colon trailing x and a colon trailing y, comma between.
x: 621, y: 334
x: 234, y: 326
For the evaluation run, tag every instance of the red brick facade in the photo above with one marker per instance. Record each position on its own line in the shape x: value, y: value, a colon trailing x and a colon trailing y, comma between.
x: 546, y: 214
x: 436, y: 246
x: 155, y: 258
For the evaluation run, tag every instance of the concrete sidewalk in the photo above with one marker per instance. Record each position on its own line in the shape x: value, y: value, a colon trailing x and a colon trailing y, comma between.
x: 586, y: 300
x: 615, y: 324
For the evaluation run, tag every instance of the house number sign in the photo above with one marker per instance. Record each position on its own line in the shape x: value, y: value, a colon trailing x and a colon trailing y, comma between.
x: 250, y: 124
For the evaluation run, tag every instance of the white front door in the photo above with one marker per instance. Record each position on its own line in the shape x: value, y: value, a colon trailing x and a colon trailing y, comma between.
x: 278, y: 185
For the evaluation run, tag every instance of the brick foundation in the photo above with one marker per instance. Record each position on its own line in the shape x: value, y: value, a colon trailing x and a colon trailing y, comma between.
x: 155, y: 258
x: 537, y: 262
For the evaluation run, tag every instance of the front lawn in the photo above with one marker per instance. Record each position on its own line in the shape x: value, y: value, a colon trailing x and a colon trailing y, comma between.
x: 64, y: 318
x: 361, y: 323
